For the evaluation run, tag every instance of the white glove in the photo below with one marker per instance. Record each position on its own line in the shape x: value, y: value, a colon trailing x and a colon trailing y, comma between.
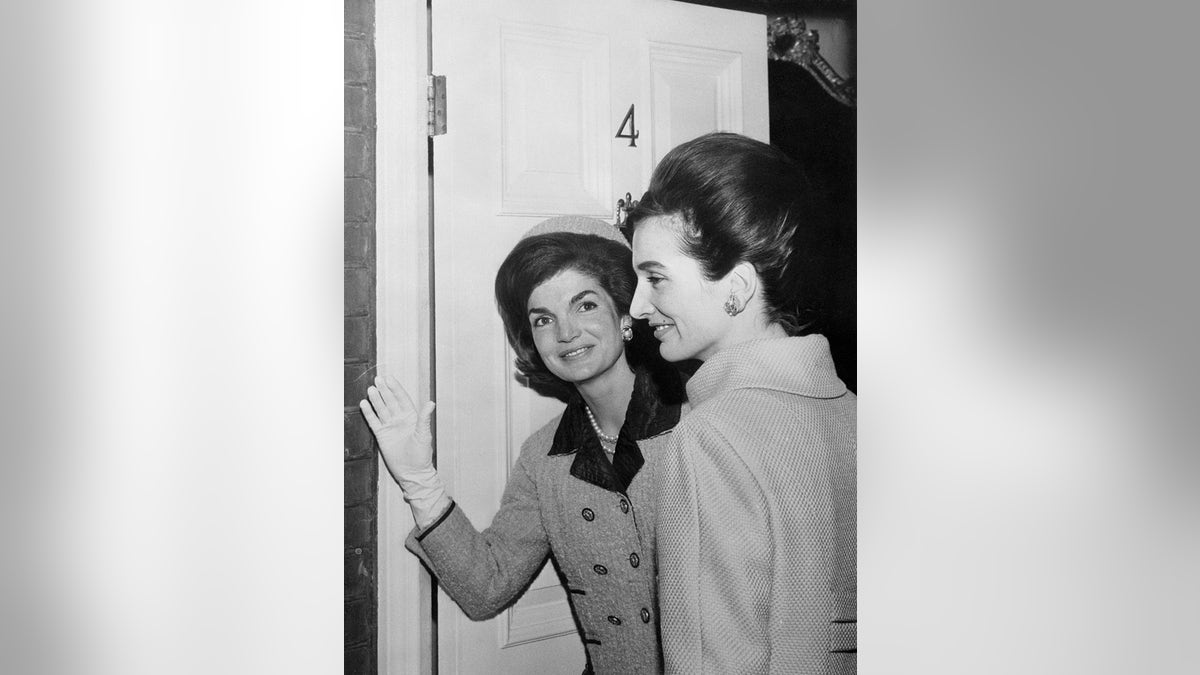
x: 406, y: 443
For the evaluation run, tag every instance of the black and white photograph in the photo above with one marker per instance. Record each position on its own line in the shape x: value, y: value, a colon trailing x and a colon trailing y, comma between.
x: 587, y: 293
x: 600, y: 329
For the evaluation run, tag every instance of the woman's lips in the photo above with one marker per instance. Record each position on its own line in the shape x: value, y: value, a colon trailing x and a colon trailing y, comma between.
x: 661, y: 329
x: 575, y: 353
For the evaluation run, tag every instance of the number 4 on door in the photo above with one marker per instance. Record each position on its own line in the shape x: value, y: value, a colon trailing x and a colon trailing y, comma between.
x: 632, y: 134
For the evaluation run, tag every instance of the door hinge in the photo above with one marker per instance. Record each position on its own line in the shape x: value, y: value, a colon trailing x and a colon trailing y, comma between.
x: 437, y: 105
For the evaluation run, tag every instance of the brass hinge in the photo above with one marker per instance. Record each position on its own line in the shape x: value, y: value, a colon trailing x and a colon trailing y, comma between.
x: 437, y: 105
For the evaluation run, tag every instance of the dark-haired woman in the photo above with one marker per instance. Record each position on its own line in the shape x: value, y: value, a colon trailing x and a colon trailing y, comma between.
x: 756, y: 530
x: 582, y: 490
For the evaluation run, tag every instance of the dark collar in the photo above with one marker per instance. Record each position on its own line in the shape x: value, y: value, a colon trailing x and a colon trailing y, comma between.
x: 653, y: 409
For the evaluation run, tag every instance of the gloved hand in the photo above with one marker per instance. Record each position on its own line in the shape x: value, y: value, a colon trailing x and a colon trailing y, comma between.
x: 406, y: 443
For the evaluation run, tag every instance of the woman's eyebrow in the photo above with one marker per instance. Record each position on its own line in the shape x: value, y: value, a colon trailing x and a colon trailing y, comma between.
x: 576, y: 298
x: 580, y: 295
x: 648, y: 265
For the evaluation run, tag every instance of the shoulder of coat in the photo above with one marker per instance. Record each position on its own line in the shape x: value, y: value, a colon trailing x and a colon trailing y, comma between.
x: 537, y: 445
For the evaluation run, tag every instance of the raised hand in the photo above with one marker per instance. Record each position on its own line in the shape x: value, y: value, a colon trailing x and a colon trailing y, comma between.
x: 403, y: 434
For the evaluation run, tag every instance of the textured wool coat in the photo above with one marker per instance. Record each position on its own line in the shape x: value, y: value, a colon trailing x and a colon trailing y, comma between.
x: 565, y: 499
x: 756, y: 511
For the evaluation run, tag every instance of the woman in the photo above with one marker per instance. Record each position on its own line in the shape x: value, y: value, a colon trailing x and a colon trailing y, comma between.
x: 582, y: 488
x: 756, y: 521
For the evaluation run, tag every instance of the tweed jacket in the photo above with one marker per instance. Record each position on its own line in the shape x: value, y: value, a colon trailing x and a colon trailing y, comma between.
x: 593, y: 517
x: 756, y: 516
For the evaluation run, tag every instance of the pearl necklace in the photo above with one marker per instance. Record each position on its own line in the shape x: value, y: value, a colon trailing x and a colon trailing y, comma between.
x: 596, y: 426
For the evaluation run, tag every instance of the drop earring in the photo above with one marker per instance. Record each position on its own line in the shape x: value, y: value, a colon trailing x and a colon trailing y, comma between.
x: 731, y: 306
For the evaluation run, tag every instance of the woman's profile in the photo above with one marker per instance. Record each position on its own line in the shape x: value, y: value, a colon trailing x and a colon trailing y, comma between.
x: 756, y: 511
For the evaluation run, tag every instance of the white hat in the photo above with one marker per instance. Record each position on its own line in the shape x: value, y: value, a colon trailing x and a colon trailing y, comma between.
x: 578, y: 225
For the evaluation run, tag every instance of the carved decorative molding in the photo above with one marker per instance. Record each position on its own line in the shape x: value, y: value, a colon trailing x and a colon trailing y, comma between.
x: 789, y: 39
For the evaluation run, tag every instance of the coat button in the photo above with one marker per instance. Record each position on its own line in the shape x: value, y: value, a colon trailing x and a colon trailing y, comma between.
x: 645, y: 615
x: 588, y: 515
x: 624, y: 506
x: 634, y: 559
x: 600, y: 569
x: 614, y: 621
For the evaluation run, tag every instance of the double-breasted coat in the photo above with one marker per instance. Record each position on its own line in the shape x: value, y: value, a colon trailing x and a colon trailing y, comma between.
x: 565, y: 499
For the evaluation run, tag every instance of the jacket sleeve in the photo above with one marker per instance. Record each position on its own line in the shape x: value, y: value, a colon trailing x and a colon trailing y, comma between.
x: 715, y: 557
x: 486, y: 571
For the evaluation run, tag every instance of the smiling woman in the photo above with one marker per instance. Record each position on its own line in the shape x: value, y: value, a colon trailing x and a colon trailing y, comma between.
x: 582, y: 491
x: 685, y: 309
x: 578, y: 329
x: 756, y: 504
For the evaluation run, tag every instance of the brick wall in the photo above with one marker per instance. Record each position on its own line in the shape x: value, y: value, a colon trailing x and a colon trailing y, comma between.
x: 359, y: 316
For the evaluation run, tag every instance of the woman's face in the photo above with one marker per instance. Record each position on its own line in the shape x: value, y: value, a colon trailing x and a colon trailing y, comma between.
x: 685, y: 309
x: 576, y: 326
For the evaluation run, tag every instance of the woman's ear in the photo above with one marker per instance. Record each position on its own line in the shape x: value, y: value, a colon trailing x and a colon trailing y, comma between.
x: 743, y: 282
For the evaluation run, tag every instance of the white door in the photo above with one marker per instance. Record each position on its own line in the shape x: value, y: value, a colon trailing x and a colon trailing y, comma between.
x: 536, y: 93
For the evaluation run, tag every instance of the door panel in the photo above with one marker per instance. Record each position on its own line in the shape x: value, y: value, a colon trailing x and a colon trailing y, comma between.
x: 536, y: 91
x: 554, y: 74
x: 705, y: 70
x: 692, y: 91
x: 542, y: 613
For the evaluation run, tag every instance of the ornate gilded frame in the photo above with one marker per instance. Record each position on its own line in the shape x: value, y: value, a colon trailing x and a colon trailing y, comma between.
x: 789, y: 39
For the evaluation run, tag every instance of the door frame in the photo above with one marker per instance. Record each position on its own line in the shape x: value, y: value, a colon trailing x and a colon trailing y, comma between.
x: 406, y: 622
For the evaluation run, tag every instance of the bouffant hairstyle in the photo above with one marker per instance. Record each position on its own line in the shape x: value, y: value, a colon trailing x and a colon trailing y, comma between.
x: 536, y: 259
x: 743, y: 200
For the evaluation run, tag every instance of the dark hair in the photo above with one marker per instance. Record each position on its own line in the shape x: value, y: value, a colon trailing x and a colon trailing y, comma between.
x: 536, y: 259
x: 742, y: 200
